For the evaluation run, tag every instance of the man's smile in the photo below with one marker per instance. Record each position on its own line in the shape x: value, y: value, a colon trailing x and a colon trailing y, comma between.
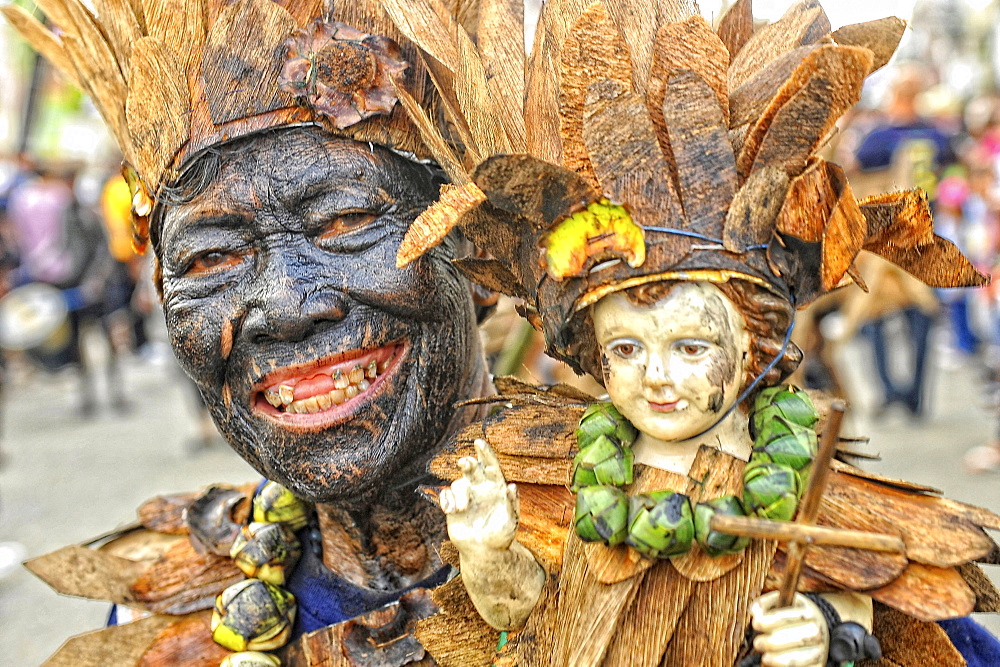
x: 327, y: 392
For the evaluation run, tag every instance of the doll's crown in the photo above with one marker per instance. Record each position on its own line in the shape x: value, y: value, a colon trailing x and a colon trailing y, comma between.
x: 658, y: 148
x: 173, y: 77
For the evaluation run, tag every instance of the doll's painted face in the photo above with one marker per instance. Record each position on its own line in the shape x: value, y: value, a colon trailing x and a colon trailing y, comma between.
x: 675, y: 367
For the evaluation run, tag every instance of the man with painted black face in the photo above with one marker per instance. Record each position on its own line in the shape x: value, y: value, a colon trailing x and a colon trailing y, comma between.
x: 275, y: 176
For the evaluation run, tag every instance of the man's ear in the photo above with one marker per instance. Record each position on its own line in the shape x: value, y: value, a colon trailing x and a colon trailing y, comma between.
x: 485, y: 301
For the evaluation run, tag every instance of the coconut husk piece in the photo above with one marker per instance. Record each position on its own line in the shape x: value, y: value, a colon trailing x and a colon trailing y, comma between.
x: 594, y: 50
x: 625, y: 155
x: 690, y: 44
x: 431, y: 136
x: 122, y: 28
x: 705, y: 165
x: 907, y: 642
x: 937, y: 531
x: 457, y: 636
x: 186, y: 642
x: 437, y: 221
x: 240, y: 61
x: 456, y: 68
x: 501, y: 41
x: 826, y: 85
x: 183, y: 580
x: 987, y: 595
x: 821, y: 207
x: 900, y: 229
x: 88, y: 573
x: 180, y: 25
x: 650, y: 623
x: 736, y: 26
x: 546, y: 518
x: 928, y: 593
x: 42, y: 40
x: 804, y: 23
x: 750, y: 220
x: 541, y: 103
x: 144, y: 546
x: 881, y: 37
x: 748, y: 102
x: 901, y: 484
x: 637, y: 21
x: 306, y: 11
x: 539, y: 191
x: 115, y: 645
x: 493, y: 275
x: 156, y: 107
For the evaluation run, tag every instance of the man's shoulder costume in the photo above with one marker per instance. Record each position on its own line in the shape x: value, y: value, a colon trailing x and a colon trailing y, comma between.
x: 620, y: 102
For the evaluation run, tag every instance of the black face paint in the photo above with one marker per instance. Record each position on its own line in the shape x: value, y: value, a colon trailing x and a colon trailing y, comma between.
x: 286, y: 264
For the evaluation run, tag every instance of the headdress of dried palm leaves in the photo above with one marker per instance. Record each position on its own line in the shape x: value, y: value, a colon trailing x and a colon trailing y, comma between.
x: 173, y: 77
x: 706, y: 138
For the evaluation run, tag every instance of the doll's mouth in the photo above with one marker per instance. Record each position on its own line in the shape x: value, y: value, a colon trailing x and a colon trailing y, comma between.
x: 671, y: 406
x: 328, y: 391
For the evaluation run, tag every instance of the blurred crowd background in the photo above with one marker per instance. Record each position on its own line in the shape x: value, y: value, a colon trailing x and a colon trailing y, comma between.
x: 77, y: 304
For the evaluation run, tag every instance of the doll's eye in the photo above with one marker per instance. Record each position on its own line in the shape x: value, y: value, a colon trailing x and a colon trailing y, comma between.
x: 625, y: 349
x: 692, y: 348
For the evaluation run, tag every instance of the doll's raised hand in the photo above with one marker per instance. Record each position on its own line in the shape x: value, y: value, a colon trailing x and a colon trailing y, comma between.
x: 481, y: 508
x: 502, y: 577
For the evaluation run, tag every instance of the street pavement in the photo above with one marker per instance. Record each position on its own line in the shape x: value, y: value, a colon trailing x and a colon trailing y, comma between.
x: 65, y: 479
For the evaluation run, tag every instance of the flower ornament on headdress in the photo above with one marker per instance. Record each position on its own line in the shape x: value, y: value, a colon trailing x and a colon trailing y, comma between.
x: 171, y: 80
x: 341, y: 72
x: 707, y: 141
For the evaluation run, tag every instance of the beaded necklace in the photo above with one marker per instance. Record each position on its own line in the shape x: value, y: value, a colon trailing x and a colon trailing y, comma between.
x: 663, y: 524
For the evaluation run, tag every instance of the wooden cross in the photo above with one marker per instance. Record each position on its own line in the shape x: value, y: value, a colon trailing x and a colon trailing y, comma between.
x: 803, y: 533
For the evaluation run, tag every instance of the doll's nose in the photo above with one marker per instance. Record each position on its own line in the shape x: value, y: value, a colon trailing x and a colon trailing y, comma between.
x: 657, y: 374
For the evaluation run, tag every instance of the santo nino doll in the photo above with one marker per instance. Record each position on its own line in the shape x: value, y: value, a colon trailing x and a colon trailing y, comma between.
x: 662, y: 241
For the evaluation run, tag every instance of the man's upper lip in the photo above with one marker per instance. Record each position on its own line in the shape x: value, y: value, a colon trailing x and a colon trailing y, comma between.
x: 343, y: 361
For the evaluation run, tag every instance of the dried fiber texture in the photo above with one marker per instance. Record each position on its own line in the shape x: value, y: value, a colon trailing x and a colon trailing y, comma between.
x: 501, y: 42
x: 42, y: 40
x: 804, y: 23
x: 116, y: 645
x: 188, y: 642
x: 183, y: 580
x: 431, y: 226
x: 907, y: 642
x: 88, y: 573
x: 881, y: 37
x: 736, y: 27
x: 594, y: 51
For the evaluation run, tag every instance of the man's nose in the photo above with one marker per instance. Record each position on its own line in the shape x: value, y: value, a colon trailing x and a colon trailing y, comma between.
x: 290, y: 309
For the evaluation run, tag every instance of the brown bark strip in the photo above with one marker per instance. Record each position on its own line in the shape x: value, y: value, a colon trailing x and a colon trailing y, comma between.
x: 987, y: 595
x: 117, y: 645
x: 186, y: 642
x: 456, y: 636
x: 928, y: 593
x: 87, y: 573
x: 584, y: 638
x: 501, y: 42
x: 751, y: 217
x: 748, y: 102
x: 593, y: 51
x: 706, y: 167
x: 736, y: 27
x: 650, y: 622
x: 803, y: 23
x: 908, y: 642
x: 637, y: 22
x: 881, y: 37
x: 714, y: 621
x: 182, y: 580
x: 621, y: 143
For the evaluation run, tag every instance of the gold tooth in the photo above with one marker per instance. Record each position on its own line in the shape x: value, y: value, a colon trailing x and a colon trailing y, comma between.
x: 372, y: 370
x: 363, y: 385
x: 324, y: 401
x: 287, y: 393
x: 340, y: 381
x: 357, y: 375
x: 382, y: 365
x: 338, y: 396
x: 351, y: 392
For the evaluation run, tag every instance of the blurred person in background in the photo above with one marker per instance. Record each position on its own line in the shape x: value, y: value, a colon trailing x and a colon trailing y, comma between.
x: 904, y: 150
x: 61, y: 242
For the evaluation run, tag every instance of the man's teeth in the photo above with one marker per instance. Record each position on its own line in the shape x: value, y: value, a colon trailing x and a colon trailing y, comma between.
x: 346, y: 386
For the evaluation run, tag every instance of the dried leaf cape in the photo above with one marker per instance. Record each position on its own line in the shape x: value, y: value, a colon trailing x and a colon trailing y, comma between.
x: 656, y: 148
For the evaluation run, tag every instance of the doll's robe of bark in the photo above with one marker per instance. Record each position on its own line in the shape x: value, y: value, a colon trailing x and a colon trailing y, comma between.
x: 607, y: 606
